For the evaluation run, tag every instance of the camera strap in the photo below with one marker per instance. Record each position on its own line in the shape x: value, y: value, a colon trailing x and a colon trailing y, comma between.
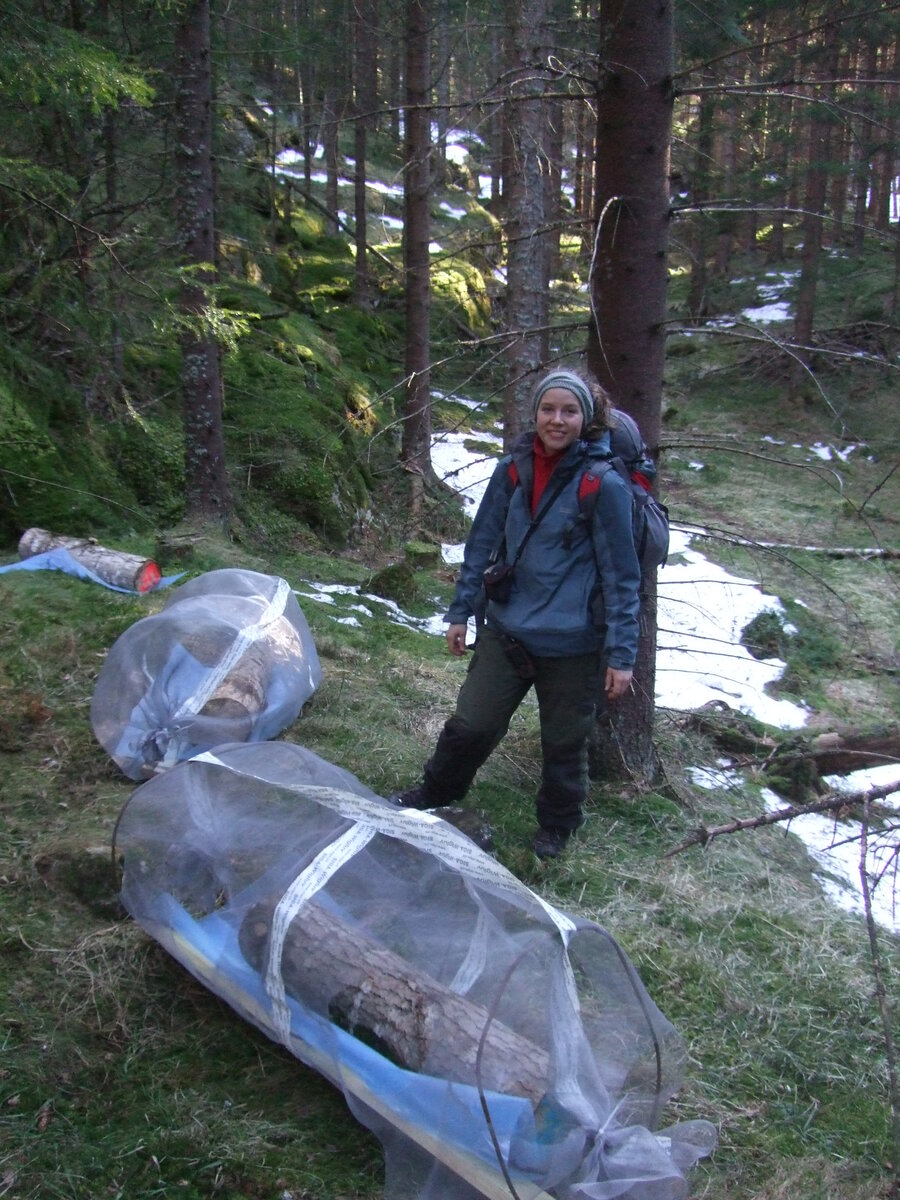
x: 567, y: 477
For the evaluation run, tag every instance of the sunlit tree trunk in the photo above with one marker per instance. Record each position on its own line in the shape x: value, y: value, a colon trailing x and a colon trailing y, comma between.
x: 201, y: 379
x: 626, y: 345
x: 416, y: 446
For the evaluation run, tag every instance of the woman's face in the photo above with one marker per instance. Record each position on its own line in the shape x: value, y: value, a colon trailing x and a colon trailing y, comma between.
x: 558, y: 420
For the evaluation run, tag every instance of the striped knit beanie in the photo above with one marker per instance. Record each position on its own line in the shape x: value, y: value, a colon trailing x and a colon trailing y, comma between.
x: 572, y: 383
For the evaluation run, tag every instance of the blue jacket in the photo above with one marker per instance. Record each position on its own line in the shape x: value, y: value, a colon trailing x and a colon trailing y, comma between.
x: 576, y: 588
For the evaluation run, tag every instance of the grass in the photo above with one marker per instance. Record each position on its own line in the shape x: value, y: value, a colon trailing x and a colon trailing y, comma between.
x: 122, y: 1076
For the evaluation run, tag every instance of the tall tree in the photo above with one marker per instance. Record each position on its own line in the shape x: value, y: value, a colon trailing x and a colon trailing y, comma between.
x: 626, y: 345
x: 821, y: 124
x: 525, y: 197
x: 365, y: 84
x: 416, y: 445
x: 201, y: 377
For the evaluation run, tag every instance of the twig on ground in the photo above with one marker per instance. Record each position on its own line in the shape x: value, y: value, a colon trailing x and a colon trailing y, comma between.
x: 833, y: 802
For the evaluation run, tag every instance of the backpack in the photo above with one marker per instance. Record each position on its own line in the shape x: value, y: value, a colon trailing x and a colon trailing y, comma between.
x: 629, y: 458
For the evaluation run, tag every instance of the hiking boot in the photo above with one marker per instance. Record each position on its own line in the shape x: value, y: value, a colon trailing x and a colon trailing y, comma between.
x: 550, y: 841
x: 414, y: 797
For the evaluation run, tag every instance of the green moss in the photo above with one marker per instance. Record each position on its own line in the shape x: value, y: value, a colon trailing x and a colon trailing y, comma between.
x: 462, y: 285
x: 54, y: 468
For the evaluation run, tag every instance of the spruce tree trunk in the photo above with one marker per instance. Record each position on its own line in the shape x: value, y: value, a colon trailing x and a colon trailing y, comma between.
x: 863, y: 141
x: 818, y: 160
x: 365, y: 74
x: 885, y: 171
x: 330, y: 147
x: 526, y: 274
x: 201, y: 378
x: 416, y: 446
x: 727, y: 155
x: 626, y: 344
x: 700, y: 193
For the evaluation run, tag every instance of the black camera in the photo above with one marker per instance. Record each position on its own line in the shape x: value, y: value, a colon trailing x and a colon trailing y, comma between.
x: 498, y: 581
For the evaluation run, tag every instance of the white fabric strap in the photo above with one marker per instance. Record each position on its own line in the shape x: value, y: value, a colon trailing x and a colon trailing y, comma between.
x: 307, y: 883
x: 192, y: 704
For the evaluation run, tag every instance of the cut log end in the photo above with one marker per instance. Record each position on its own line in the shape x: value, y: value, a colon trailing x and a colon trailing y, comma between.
x: 112, y: 566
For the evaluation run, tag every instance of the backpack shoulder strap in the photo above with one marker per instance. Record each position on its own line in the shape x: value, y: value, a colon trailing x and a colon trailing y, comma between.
x: 592, y: 479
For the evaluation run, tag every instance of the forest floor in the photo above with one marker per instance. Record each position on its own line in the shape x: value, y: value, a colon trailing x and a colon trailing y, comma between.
x: 121, y: 1076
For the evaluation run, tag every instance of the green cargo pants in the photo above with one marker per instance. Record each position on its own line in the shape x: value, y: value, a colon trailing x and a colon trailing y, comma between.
x: 566, y: 690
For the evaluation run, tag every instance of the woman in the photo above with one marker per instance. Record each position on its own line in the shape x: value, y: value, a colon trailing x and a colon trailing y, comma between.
x: 570, y: 617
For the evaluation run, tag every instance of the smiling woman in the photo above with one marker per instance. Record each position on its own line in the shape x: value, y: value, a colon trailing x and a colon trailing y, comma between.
x: 561, y: 610
x: 559, y: 419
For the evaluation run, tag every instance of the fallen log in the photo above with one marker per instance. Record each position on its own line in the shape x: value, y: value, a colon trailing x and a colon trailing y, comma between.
x: 112, y: 566
x: 836, y: 753
x: 379, y: 997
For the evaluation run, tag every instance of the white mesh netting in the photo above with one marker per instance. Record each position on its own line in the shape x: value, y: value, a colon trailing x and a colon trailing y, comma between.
x: 497, y: 1046
x: 230, y: 658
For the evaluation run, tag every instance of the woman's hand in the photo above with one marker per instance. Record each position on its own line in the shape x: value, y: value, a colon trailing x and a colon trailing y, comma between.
x: 617, y: 683
x: 456, y: 640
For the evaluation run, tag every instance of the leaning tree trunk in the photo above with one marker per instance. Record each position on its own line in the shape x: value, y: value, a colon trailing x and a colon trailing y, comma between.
x: 626, y: 343
x: 416, y: 447
x: 201, y: 376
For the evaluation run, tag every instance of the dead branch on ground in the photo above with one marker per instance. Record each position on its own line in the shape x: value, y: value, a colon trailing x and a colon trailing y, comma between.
x: 834, y: 802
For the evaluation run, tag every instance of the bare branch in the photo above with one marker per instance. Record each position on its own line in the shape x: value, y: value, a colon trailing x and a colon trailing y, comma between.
x: 833, y: 802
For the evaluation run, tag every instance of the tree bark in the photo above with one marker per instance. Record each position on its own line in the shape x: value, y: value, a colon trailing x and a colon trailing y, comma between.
x: 885, y: 171
x: 365, y: 71
x: 864, y: 140
x: 818, y: 155
x: 330, y: 147
x: 700, y: 192
x: 201, y: 378
x: 416, y: 445
x: 626, y: 343
x: 526, y: 273
x: 727, y: 155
